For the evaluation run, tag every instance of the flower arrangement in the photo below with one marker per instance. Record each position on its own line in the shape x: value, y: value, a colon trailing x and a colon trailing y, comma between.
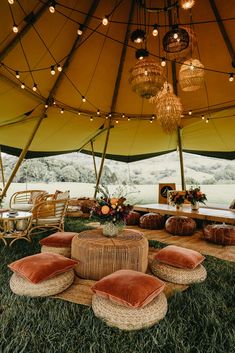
x: 111, y: 210
x: 194, y: 195
x: 176, y: 198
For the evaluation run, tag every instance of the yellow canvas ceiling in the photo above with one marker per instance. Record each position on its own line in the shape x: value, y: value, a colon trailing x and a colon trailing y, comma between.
x: 96, y: 65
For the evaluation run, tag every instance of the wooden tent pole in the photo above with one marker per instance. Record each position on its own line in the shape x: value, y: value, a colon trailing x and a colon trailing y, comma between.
x: 116, y: 88
x: 103, y: 158
x: 1, y: 166
x: 93, y: 156
x: 174, y: 78
x: 22, y: 155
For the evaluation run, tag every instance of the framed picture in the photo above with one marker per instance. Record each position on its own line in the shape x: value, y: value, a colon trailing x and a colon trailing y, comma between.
x: 164, y: 190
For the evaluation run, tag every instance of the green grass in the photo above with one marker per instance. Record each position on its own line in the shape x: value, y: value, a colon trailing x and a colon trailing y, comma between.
x: 202, y: 319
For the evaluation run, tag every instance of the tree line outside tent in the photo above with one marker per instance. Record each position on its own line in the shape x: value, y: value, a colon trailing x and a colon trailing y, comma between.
x: 75, y: 169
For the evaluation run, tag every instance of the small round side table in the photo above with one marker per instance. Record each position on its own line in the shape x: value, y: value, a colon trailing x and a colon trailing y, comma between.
x: 100, y: 256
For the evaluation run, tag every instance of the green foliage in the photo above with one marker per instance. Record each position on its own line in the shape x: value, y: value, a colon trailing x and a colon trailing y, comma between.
x: 199, y: 320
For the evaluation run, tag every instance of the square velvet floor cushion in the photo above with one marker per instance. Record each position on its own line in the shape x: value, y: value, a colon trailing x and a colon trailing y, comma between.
x: 129, y: 288
x: 177, y: 256
x: 40, y: 267
x: 59, y: 239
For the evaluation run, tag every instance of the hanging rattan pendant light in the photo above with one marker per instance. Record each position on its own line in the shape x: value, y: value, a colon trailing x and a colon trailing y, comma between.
x: 147, y: 77
x: 187, y: 4
x: 181, y: 52
x: 169, y: 110
x: 191, y: 75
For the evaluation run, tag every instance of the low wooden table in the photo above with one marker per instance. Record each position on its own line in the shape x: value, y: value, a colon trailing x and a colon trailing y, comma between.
x: 14, y: 227
x: 100, y: 256
x: 204, y: 213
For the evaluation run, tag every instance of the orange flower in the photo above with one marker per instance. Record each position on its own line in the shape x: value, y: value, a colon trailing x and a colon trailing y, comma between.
x: 113, y: 201
x: 105, y: 209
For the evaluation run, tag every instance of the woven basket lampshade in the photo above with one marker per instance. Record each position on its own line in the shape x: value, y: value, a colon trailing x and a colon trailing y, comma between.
x: 167, y: 87
x: 183, y: 53
x: 169, y: 110
x: 191, y: 75
x: 176, y: 40
x: 146, y: 78
x: 187, y: 4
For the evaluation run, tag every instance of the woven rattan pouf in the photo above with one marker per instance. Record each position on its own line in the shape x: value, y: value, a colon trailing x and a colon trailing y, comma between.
x: 133, y: 218
x: 62, y: 251
x: 180, y: 225
x: 126, y: 318
x: 152, y: 221
x: 178, y: 275
x: 21, y: 286
x: 220, y: 234
x: 100, y: 256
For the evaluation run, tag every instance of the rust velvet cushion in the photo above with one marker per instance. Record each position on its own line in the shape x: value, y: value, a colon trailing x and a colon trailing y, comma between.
x: 39, y: 267
x: 129, y: 288
x: 179, y: 257
x: 59, y: 239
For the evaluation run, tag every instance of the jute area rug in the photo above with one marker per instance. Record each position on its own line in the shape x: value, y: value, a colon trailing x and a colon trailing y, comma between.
x: 80, y: 291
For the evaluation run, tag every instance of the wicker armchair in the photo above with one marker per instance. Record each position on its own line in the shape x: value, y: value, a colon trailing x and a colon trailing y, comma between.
x: 26, y: 200
x: 48, y: 215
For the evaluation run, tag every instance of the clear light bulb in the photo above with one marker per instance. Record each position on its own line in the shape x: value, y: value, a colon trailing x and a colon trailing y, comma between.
x: 163, y: 62
x: 79, y: 31
x: 116, y: 121
x: 52, y: 70
x: 155, y: 31
x: 91, y: 119
x: 11, y: 2
x: 105, y: 21
x: 35, y: 87
x: 190, y: 112
x: 83, y: 99
x: 98, y: 112
x: 59, y: 68
x: 22, y: 85
x: 231, y: 78
x: 17, y: 74
x: 52, y: 9
x: 15, y: 28
x: 62, y: 111
x: 175, y: 36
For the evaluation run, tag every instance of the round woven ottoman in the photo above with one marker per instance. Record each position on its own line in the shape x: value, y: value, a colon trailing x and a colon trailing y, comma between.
x: 129, y: 319
x: 180, y: 225
x: 221, y: 234
x: 133, y: 218
x: 178, y: 275
x: 62, y: 251
x: 100, y: 256
x: 152, y: 221
x: 21, y: 286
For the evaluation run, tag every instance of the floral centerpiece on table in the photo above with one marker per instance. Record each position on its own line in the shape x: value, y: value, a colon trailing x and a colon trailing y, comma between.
x: 112, y: 212
x: 177, y: 198
x: 194, y: 196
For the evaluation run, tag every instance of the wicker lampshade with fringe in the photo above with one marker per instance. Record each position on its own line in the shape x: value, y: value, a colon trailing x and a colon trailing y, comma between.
x: 191, y: 75
x: 167, y: 87
x: 147, y: 77
x: 169, y: 110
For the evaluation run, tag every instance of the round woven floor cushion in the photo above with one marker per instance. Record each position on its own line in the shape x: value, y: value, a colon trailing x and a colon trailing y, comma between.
x: 178, y: 275
x: 152, y: 221
x: 220, y: 234
x: 180, y: 225
x: 130, y: 319
x: 62, y: 251
x: 51, y: 286
x: 133, y: 218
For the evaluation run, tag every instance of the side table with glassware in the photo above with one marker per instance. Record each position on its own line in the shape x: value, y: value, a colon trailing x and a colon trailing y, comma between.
x: 14, y: 225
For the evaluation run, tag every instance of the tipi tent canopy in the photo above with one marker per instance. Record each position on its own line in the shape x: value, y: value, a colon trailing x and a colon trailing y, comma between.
x: 65, y: 111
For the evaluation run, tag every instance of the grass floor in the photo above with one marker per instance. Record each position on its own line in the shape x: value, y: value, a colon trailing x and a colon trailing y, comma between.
x: 202, y: 319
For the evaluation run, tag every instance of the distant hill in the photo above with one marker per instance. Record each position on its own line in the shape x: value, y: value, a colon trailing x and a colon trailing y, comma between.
x: 77, y: 167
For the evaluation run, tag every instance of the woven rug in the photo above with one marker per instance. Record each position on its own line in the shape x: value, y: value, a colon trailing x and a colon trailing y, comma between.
x: 80, y: 291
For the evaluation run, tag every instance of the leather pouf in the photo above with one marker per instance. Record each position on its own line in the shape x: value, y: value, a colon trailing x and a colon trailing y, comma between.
x: 152, y: 221
x: 180, y: 225
x: 220, y: 234
x: 133, y: 219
